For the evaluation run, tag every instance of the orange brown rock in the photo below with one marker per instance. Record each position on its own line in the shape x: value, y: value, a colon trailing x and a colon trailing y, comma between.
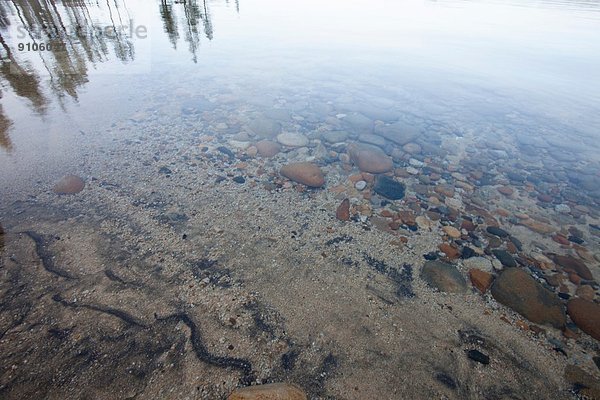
x: 450, y: 251
x: 480, y: 279
x: 343, y: 211
x: 305, y: 173
x: 586, y: 315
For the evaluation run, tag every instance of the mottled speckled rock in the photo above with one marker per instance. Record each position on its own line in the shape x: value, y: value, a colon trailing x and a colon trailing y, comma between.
x: 273, y: 391
x: 70, y: 184
x: 516, y: 289
x: 305, y: 173
x: 443, y: 276
x: 586, y: 315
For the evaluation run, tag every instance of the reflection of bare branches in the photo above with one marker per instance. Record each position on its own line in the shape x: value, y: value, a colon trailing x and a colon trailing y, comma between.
x: 169, y: 22
x: 5, y: 124
x: 123, y: 48
x: 4, y: 21
x: 208, y: 29
x: 23, y: 83
x: 193, y: 14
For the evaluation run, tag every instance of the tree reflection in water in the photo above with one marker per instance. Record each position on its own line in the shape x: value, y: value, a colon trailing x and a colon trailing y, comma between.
x: 76, y: 45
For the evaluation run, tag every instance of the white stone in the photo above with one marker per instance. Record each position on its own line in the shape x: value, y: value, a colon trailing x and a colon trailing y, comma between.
x: 412, y: 170
x: 360, y: 185
x: 497, y: 265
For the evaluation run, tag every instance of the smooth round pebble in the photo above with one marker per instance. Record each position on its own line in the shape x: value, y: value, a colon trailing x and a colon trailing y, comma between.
x: 69, y: 184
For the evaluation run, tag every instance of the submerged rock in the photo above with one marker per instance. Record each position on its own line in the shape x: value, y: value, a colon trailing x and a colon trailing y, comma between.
x: 505, y: 258
x: 570, y: 263
x: 264, y: 127
x: 494, y: 230
x: 69, y: 184
x: 586, y: 315
x: 343, y: 211
x: 335, y: 136
x: 267, y: 148
x: 372, y: 139
x: 443, y: 276
x: 481, y: 263
x: 482, y: 280
x: 273, y: 391
x: 516, y: 289
x: 291, y: 139
x: 586, y: 385
x: 370, y: 159
x: 451, y: 231
x: 399, y: 132
x: 388, y: 187
x: 305, y: 173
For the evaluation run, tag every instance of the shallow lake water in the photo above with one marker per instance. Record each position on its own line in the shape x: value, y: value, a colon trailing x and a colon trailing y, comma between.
x: 357, y: 199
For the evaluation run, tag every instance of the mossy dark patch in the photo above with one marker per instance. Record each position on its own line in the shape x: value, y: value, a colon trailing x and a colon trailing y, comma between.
x: 339, y: 239
x: 402, y: 277
x: 41, y: 249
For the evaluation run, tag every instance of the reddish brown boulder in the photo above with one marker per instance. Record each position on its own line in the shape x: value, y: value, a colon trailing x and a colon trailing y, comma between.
x: 450, y: 251
x: 305, y: 173
x: 69, y: 184
x: 586, y: 315
x: 570, y: 263
x: 343, y: 211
